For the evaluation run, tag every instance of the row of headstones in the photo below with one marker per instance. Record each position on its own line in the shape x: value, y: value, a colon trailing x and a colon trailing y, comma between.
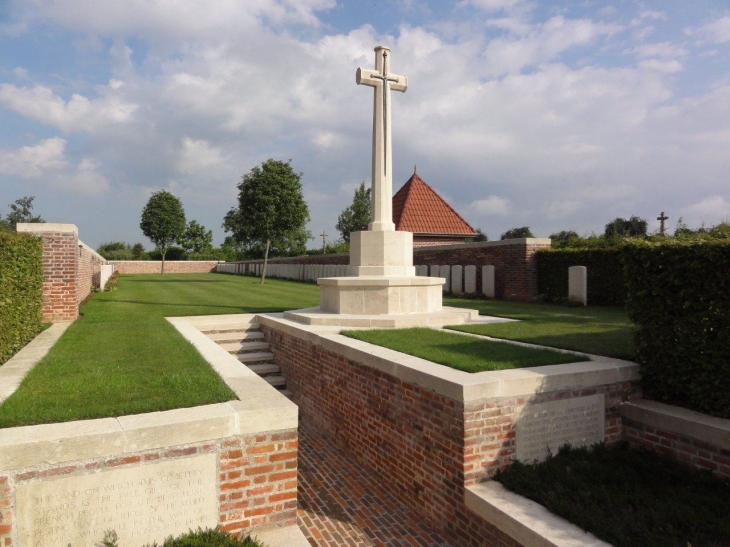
x: 300, y: 272
x: 461, y: 279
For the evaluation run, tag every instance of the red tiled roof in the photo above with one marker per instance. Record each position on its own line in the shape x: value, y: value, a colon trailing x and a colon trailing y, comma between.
x: 418, y: 208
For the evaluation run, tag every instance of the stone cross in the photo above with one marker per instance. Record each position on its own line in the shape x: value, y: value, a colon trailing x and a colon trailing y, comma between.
x: 324, y: 241
x: 661, y: 218
x: 382, y: 181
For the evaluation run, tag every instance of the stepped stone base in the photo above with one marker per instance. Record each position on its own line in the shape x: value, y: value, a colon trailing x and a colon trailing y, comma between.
x: 376, y: 295
x: 445, y: 316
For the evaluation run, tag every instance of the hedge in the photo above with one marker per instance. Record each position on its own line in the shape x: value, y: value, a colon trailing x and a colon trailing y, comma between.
x: 606, y: 285
x: 679, y: 298
x: 21, y: 291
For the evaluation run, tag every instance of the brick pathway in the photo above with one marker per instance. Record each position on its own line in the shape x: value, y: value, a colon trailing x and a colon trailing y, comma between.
x: 341, y: 503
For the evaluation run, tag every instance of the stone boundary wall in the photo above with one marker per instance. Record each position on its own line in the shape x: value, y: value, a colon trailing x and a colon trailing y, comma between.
x: 70, y: 269
x: 148, y: 476
x: 513, y: 259
x: 698, y: 440
x: 171, y: 266
x: 429, y: 431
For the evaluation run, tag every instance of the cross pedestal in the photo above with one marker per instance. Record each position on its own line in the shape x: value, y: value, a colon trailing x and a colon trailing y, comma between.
x: 382, y: 288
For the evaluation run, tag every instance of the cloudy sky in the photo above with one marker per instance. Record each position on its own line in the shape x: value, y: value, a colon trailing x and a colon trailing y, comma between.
x: 552, y: 114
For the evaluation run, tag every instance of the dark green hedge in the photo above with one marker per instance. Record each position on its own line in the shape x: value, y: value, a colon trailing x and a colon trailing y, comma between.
x: 606, y: 286
x: 21, y: 291
x: 679, y: 298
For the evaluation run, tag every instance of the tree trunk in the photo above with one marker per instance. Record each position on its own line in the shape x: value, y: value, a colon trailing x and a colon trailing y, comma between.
x: 266, y: 260
x: 162, y: 267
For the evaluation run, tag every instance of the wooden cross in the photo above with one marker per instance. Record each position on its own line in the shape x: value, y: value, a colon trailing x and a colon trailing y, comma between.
x: 661, y: 218
x: 324, y: 241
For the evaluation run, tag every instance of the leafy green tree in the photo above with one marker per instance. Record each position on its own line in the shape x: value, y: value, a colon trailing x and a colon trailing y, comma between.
x: 481, y: 236
x: 271, y: 206
x: 20, y: 211
x: 115, y: 250
x: 356, y: 216
x: 517, y: 233
x: 620, y: 227
x: 564, y: 238
x: 163, y: 222
x: 138, y: 251
x: 196, y: 238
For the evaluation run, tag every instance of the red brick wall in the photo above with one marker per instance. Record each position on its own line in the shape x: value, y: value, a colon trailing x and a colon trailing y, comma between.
x: 426, y: 447
x: 425, y: 241
x: 257, y: 481
x: 171, y: 266
x: 693, y: 452
x: 89, y: 274
x: 60, y: 272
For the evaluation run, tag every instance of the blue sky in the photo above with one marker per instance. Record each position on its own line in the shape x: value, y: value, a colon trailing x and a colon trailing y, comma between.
x: 555, y: 115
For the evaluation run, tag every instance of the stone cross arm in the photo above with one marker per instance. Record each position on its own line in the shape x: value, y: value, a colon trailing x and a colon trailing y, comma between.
x: 374, y: 78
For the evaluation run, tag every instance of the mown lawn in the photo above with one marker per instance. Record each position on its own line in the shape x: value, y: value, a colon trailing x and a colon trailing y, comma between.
x: 462, y: 352
x: 122, y: 357
x: 598, y: 330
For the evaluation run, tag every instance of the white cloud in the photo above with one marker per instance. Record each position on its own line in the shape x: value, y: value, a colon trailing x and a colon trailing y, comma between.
x: 711, y: 210
x: 493, y: 5
x: 20, y: 72
x: 32, y: 161
x: 717, y: 32
x: 493, y: 205
x: 667, y: 67
x: 84, y: 179
x: 40, y: 103
x: 198, y: 157
x: 660, y: 49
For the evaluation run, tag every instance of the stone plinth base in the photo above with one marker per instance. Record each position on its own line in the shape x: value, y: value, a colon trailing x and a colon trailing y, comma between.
x: 376, y: 295
x: 381, y: 253
x: 447, y: 316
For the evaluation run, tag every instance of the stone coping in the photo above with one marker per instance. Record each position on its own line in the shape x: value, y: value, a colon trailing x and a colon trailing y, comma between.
x: 365, y: 281
x: 285, y: 536
x: 456, y: 384
x: 318, y: 317
x: 20, y: 364
x: 261, y: 408
x: 35, y: 227
x: 526, y: 521
x: 682, y: 421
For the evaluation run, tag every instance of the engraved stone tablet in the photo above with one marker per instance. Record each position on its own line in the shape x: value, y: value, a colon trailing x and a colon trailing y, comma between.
x: 142, y: 504
x: 543, y: 428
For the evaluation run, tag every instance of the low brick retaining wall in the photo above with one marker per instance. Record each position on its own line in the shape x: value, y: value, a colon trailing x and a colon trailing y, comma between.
x: 171, y: 266
x: 148, y: 476
x: 429, y: 431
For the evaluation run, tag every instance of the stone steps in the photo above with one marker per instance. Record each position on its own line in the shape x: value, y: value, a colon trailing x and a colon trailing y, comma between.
x: 248, y: 344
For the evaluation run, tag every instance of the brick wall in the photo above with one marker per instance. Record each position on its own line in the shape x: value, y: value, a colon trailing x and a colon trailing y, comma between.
x: 426, y: 447
x: 89, y: 273
x: 171, y: 266
x: 256, y: 481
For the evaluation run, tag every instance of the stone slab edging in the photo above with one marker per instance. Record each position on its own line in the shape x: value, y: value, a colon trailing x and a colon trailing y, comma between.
x: 682, y: 421
x: 285, y: 536
x: 260, y: 408
x: 527, y: 522
x: 20, y: 364
x: 456, y: 384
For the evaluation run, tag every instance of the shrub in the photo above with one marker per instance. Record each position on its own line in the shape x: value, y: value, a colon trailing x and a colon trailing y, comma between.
x: 172, y: 253
x: 606, y: 285
x: 679, y: 298
x: 208, y: 538
x: 21, y: 291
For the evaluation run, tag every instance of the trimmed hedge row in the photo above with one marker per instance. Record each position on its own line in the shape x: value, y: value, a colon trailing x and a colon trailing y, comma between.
x: 679, y: 298
x: 606, y: 285
x: 21, y: 291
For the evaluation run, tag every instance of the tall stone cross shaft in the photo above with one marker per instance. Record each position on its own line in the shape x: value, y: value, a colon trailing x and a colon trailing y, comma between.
x: 382, y: 181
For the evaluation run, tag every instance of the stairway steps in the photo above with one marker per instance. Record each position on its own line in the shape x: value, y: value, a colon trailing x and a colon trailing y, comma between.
x: 254, y: 357
x: 225, y: 330
x: 275, y: 380
x: 265, y: 368
x: 236, y: 336
x: 240, y: 347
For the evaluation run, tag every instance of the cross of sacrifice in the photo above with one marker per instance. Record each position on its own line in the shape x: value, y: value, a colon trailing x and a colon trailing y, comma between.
x: 661, y: 218
x: 382, y: 179
x: 324, y: 241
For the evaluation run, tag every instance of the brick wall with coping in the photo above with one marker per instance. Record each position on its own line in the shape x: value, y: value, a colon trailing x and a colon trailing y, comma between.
x: 171, y: 266
x: 426, y: 446
x: 89, y: 274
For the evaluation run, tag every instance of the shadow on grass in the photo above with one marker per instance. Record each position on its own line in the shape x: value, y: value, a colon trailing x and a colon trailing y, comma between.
x: 210, y: 307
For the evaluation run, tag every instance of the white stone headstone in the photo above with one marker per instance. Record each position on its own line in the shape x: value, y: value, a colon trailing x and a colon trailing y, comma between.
x: 456, y: 279
x: 488, y: 281
x: 470, y: 279
x: 434, y: 271
x: 422, y: 271
x: 445, y: 272
x: 578, y: 284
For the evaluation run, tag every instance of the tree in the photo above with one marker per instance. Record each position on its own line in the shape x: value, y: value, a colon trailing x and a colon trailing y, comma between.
x: 163, y: 222
x: 481, y: 236
x: 356, y: 216
x: 270, y: 205
x: 115, y: 250
x: 564, y: 238
x: 138, y: 251
x: 517, y: 233
x: 620, y: 227
x: 20, y: 211
x: 196, y: 238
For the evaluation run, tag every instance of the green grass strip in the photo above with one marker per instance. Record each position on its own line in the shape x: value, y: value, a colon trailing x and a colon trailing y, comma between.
x: 628, y: 497
x: 598, y: 330
x: 461, y: 352
x: 122, y: 357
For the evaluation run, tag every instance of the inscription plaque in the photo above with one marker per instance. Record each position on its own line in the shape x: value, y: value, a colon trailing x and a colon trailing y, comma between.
x: 142, y: 504
x: 543, y: 428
